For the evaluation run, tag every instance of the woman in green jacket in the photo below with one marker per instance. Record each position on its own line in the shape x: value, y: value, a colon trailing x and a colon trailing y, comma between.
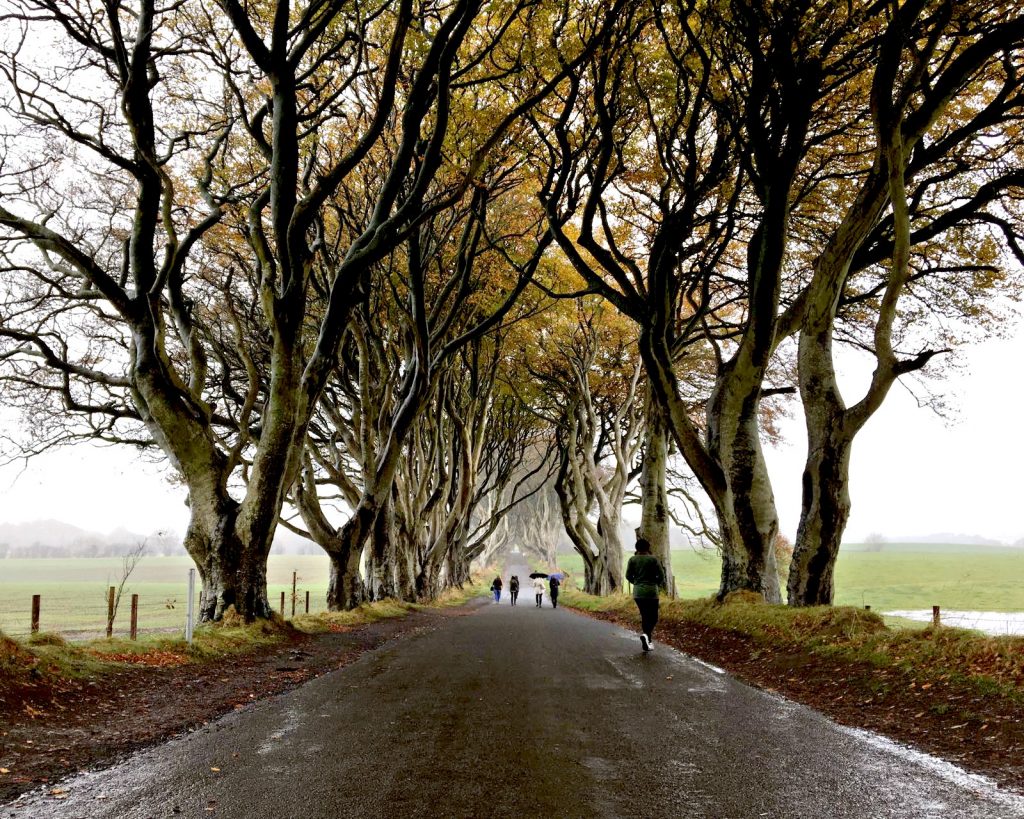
x: 645, y: 573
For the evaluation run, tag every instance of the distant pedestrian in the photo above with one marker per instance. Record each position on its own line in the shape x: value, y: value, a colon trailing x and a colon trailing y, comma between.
x: 513, y: 588
x: 645, y: 573
x: 538, y: 590
x: 553, y: 585
x: 496, y: 588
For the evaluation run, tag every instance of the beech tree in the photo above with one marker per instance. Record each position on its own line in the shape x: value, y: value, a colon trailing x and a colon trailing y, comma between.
x: 703, y: 163
x: 535, y: 524
x: 659, y: 241
x: 305, y: 97
x: 459, y: 275
x: 593, y: 398
x: 929, y: 213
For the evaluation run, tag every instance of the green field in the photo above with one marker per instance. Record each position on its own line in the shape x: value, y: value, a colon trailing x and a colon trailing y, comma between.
x: 74, y: 591
x: 901, y: 576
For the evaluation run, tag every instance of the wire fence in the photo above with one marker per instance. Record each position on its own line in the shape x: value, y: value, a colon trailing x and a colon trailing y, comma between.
x: 994, y: 623
x: 79, y: 611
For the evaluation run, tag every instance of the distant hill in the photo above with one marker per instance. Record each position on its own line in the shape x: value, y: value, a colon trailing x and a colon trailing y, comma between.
x: 949, y: 537
x: 934, y: 546
x: 54, y: 538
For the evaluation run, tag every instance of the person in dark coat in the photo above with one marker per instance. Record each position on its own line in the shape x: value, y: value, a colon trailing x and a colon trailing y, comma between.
x: 645, y: 573
x: 513, y: 588
x: 554, y: 584
x: 496, y: 588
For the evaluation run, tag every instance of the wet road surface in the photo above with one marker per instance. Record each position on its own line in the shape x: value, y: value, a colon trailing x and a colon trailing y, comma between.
x: 525, y: 712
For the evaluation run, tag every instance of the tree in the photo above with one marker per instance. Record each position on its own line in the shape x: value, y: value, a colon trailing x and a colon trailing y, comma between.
x: 926, y: 211
x: 312, y: 100
x: 129, y: 562
x: 440, y: 294
x: 661, y: 243
x: 593, y: 397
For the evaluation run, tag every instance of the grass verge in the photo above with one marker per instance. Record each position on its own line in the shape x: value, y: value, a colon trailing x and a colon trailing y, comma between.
x: 949, y: 656
x: 48, y: 658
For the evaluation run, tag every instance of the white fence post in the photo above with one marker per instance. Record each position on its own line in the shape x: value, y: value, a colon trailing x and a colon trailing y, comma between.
x: 191, y: 605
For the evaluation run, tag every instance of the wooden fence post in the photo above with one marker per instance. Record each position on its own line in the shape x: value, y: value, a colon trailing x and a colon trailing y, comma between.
x: 35, y: 613
x: 110, y: 611
x: 294, y: 578
x: 307, y: 602
x: 936, y: 618
x: 282, y: 604
x: 135, y: 617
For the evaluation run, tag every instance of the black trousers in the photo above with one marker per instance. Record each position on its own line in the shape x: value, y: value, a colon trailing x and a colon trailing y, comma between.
x: 648, y: 613
x: 514, y: 594
x: 554, y: 599
x: 539, y: 598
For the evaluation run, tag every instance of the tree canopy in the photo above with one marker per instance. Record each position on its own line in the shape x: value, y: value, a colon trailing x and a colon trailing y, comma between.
x: 417, y: 279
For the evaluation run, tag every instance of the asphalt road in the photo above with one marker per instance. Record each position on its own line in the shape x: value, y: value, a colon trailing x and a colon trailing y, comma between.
x: 525, y: 712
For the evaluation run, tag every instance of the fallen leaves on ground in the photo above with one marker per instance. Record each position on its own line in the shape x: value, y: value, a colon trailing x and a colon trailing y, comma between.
x: 155, y: 659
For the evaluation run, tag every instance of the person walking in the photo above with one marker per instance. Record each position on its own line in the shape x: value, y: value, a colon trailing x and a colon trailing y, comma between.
x: 496, y: 588
x: 645, y: 573
x: 513, y: 588
x: 554, y: 584
x: 538, y: 590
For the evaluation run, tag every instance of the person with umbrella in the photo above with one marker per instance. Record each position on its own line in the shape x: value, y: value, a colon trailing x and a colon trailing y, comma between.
x: 645, y: 573
x: 554, y: 584
x: 538, y: 586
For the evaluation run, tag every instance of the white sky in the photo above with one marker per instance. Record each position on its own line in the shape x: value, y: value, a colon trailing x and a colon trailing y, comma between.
x: 913, y: 473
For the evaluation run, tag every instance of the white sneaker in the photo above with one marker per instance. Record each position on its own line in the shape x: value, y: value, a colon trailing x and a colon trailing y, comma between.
x: 650, y: 644
x: 645, y: 641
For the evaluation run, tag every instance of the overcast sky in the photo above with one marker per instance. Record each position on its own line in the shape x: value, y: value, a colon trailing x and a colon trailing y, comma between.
x: 913, y: 473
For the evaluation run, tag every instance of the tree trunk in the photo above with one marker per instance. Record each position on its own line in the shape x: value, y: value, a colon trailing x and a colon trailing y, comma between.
x: 427, y: 581
x: 825, y: 501
x: 825, y: 510
x: 231, y: 573
x: 593, y: 572
x: 345, y: 589
x: 612, y: 577
x: 406, y: 573
x: 654, y: 499
x: 345, y: 586
x: 730, y: 465
x: 747, y: 518
x: 381, y: 571
x: 458, y: 570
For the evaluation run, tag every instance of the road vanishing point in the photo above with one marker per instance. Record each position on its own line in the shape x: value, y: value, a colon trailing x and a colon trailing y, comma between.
x: 525, y: 712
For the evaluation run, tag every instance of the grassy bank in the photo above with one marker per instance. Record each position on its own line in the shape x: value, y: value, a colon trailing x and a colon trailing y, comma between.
x: 48, y: 658
x: 948, y: 657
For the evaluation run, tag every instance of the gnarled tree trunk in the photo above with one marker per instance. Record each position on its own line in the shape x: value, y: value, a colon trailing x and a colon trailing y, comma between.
x: 654, y: 516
